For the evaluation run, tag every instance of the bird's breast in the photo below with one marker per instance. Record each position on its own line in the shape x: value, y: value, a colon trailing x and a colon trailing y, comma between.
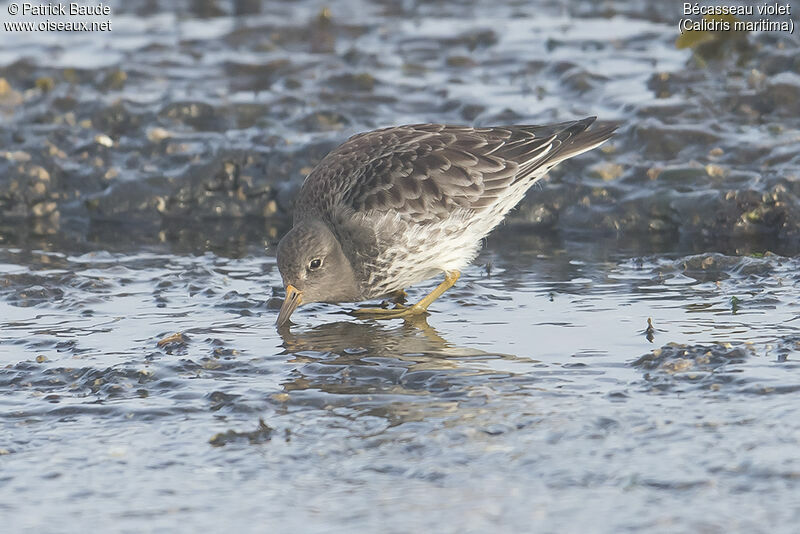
x: 406, y: 253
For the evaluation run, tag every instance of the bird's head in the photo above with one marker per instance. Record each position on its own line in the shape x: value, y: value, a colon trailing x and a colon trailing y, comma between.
x: 314, y: 268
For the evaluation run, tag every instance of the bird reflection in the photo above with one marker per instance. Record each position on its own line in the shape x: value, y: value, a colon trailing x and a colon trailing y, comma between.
x: 385, y: 368
x: 352, y: 338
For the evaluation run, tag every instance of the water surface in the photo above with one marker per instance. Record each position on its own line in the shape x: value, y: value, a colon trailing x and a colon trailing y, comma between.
x: 531, y: 395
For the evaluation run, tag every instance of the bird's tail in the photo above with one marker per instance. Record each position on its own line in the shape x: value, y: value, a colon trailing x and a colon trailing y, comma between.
x: 577, y: 139
x: 567, y: 139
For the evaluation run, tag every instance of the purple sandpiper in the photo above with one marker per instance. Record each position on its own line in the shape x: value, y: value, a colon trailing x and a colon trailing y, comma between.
x: 393, y: 207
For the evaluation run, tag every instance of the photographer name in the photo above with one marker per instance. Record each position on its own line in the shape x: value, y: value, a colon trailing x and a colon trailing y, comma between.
x: 71, y: 9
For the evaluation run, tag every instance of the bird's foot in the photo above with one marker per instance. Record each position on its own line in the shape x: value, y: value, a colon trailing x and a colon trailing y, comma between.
x: 388, y: 313
x: 417, y: 309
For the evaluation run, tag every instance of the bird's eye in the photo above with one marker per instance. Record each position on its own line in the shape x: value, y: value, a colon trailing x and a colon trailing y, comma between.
x: 314, y: 264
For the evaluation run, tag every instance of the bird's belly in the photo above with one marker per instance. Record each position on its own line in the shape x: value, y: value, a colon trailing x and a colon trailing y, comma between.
x: 421, y: 252
x: 410, y: 253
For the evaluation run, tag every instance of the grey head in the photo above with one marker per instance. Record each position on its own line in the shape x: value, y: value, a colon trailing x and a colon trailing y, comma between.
x: 314, y: 268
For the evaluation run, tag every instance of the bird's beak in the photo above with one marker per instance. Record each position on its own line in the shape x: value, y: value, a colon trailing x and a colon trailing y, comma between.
x: 293, y: 299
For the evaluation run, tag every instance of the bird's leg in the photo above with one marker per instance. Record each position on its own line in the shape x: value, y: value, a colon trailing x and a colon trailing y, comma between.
x: 450, y: 278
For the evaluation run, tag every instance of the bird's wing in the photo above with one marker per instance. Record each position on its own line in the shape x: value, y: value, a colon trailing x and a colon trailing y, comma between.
x: 424, y: 172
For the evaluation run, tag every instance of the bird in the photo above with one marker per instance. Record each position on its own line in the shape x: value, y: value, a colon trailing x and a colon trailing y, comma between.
x: 393, y: 207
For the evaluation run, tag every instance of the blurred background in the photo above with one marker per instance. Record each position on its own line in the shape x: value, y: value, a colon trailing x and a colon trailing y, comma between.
x: 215, y: 111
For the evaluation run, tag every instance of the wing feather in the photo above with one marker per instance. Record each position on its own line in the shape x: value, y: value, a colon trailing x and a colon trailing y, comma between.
x: 424, y: 172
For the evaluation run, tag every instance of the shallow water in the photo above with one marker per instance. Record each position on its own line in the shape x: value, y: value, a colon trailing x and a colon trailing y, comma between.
x: 530, y: 397
x: 622, y: 356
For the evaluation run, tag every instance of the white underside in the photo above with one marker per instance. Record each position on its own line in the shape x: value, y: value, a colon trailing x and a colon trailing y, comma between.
x: 429, y: 250
x: 449, y: 245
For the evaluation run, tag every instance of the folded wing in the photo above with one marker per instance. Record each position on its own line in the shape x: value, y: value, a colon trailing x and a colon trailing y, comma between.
x: 424, y: 172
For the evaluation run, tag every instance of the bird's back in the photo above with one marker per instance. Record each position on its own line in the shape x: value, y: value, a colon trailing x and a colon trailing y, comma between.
x: 424, y: 172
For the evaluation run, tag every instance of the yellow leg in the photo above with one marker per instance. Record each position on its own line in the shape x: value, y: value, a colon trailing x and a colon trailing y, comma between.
x: 450, y: 278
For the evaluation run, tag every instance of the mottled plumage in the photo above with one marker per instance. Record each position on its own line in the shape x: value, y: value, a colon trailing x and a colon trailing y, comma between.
x: 406, y: 203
